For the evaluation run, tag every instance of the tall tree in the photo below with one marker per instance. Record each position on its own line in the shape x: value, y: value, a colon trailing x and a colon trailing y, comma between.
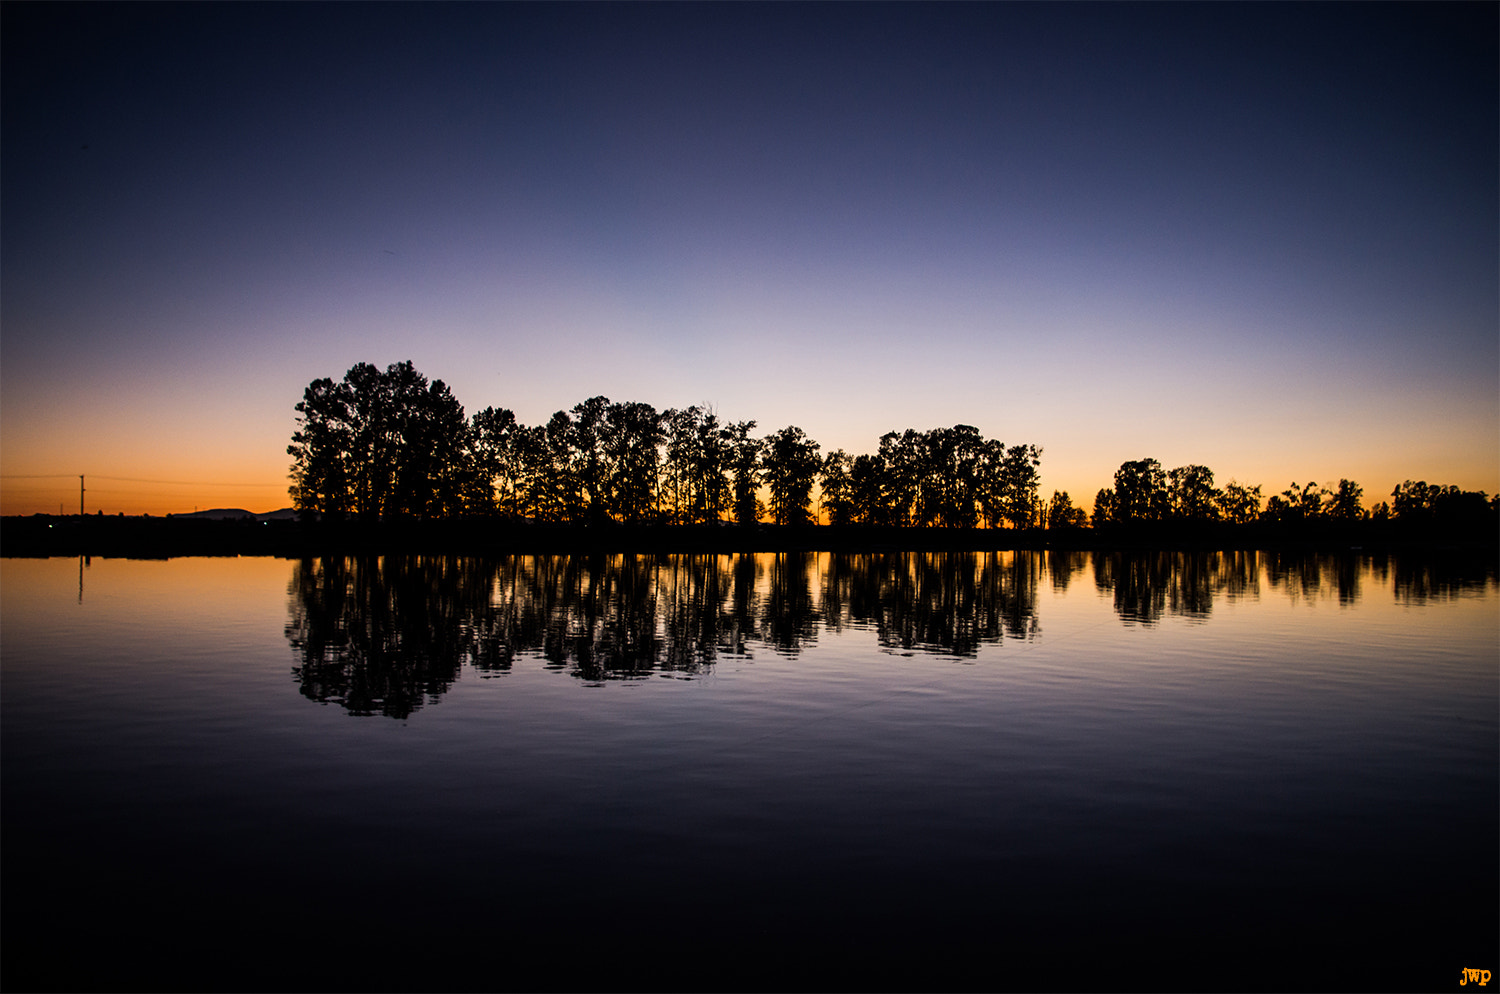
x: 1239, y: 503
x: 1140, y: 492
x: 1104, y: 506
x: 1061, y: 514
x: 374, y: 441
x: 696, y: 473
x: 710, y: 471
x: 1298, y: 502
x: 1412, y: 501
x: 587, y: 459
x: 869, y: 503
x: 1344, y: 503
x: 556, y: 494
x: 992, y: 500
x: 745, y: 466
x: 434, y: 457
x: 790, y: 464
x: 1191, y: 493
x: 498, y: 462
x: 321, y: 448
x: 633, y: 440
x: 1019, y: 482
x: 381, y: 443
x: 901, y: 459
x: 834, y: 481
x: 951, y: 476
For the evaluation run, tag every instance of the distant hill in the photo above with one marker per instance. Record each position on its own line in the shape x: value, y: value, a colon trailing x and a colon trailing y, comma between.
x: 234, y: 513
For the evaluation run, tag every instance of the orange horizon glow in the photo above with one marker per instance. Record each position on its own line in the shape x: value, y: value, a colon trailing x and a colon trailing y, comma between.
x: 29, y: 494
x: 1290, y: 276
x: 133, y: 496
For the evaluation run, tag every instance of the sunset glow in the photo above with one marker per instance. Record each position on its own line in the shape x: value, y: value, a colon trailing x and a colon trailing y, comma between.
x: 1258, y: 238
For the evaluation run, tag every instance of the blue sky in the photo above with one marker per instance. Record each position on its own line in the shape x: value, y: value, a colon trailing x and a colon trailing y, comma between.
x: 1261, y: 238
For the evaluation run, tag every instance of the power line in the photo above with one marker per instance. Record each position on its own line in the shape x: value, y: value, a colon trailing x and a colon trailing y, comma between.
x: 133, y: 479
x: 186, y: 483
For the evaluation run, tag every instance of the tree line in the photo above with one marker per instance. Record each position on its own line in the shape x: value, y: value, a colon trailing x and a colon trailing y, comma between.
x: 386, y: 634
x: 389, y: 444
x: 383, y: 444
x: 1144, y: 492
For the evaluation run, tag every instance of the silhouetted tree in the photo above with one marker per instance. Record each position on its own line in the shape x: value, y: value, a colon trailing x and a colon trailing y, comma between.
x: 1238, y: 503
x: 1344, y: 503
x: 790, y: 464
x: 954, y: 462
x: 372, y: 456
x: 745, y: 453
x: 389, y: 443
x: 869, y: 503
x: 321, y: 449
x: 1061, y: 514
x: 836, y: 484
x: 633, y: 437
x: 1104, y: 506
x: 1019, y: 480
x: 382, y: 443
x: 434, y: 457
x: 498, y: 461
x: 699, y: 455
x: 901, y: 459
x: 1140, y: 492
x: 929, y: 473
x: 675, y: 488
x: 1191, y: 493
x: 1310, y: 501
x: 1448, y: 507
x: 1297, y: 503
x: 992, y: 504
x: 587, y: 461
x: 1412, y: 499
x: 538, y: 491
x: 565, y: 490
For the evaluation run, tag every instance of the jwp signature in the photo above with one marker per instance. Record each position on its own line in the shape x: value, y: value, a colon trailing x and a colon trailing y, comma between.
x: 1480, y: 977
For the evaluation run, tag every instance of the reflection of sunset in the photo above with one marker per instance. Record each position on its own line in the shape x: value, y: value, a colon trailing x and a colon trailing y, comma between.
x: 55, y: 596
x: 618, y: 616
x: 1076, y: 752
x: 384, y: 636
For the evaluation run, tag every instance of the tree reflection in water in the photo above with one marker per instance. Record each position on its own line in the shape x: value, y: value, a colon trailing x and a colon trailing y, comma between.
x: 381, y: 635
x: 384, y: 635
x: 945, y: 603
x: 1442, y: 578
x: 1148, y: 585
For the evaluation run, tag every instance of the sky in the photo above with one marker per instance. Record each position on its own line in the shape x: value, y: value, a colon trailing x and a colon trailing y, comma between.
x: 1261, y: 238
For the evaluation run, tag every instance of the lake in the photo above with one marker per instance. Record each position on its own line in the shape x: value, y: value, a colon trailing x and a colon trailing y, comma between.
x: 960, y: 770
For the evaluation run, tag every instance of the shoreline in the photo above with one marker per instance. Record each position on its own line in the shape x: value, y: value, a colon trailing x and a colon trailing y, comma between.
x: 43, y: 535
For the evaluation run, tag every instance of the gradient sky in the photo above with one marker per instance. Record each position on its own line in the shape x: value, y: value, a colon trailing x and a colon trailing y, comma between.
x: 1261, y: 238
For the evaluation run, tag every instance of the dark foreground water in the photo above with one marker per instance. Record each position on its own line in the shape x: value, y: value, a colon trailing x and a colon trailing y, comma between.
x: 896, y: 771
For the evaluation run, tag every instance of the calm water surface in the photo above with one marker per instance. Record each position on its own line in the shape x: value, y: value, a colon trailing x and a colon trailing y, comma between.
x: 1064, y: 771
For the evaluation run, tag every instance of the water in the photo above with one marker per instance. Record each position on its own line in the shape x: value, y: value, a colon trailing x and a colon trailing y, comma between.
x: 912, y: 771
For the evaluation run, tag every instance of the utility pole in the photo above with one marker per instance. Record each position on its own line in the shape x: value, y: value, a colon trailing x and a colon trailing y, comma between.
x: 80, y: 495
